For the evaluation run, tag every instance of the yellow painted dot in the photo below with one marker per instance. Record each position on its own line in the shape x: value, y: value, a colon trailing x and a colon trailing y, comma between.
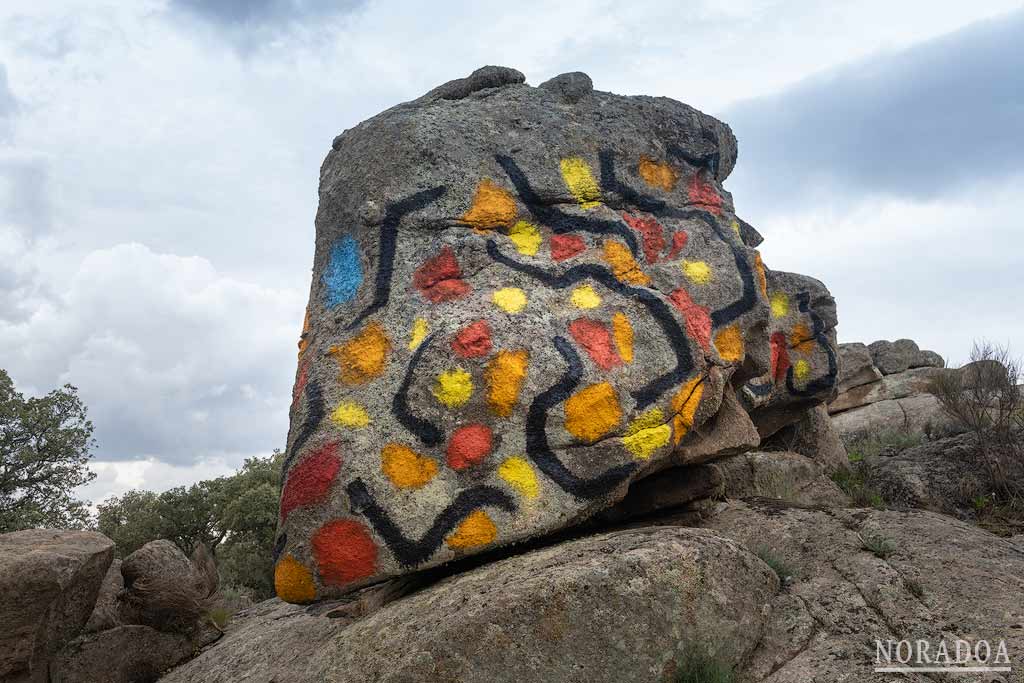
x: 585, y: 297
x: 623, y: 332
x: 580, y: 181
x: 505, y: 374
x: 453, y: 387
x: 658, y: 173
x: 729, y: 342
x: 684, y: 405
x: 624, y: 266
x: 509, y: 299
x: 526, y: 237
x: 736, y: 227
x: 419, y: 333
x: 476, y: 530
x: 293, y: 582
x: 351, y: 415
x: 405, y: 468
x: 592, y: 412
x: 647, y: 433
x: 363, y: 357
x: 518, y: 473
x: 780, y: 305
x: 697, y: 272
x: 801, y: 369
x: 492, y: 207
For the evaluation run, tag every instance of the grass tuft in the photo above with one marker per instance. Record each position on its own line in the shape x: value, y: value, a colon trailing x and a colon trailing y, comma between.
x: 697, y: 666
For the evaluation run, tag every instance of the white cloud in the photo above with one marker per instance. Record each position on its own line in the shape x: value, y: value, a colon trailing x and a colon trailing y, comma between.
x: 175, y: 360
x: 114, y: 478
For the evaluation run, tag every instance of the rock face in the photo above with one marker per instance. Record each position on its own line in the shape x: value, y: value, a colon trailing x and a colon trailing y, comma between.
x: 523, y: 300
x: 884, y: 387
x: 938, y: 578
x: 123, y: 654
x: 612, y: 607
x: 49, y: 581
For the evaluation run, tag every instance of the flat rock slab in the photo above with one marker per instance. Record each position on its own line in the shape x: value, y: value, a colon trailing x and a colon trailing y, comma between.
x: 912, y: 414
x: 613, y: 607
x: 123, y: 654
x: 49, y: 581
x: 899, y: 385
x: 523, y: 300
x: 942, y: 579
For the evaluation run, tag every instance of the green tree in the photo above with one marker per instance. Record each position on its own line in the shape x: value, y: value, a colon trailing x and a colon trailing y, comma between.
x: 45, y: 447
x: 235, y: 517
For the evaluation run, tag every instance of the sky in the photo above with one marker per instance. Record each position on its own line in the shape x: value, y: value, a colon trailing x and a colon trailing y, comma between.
x: 159, y: 164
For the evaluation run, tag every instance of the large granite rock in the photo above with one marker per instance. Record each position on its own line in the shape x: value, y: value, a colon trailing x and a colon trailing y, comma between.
x: 899, y: 385
x: 933, y: 578
x: 901, y: 355
x: 123, y: 654
x: 855, y: 367
x: 49, y: 581
x: 914, y: 414
x: 523, y: 300
x: 165, y: 589
x: 805, y: 364
x: 814, y: 436
x: 613, y: 607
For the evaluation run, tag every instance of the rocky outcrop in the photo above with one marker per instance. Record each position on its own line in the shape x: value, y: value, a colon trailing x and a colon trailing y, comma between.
x: 892, y: 396
x: 612, y: 607
x: 862, y: 575
x: 814, y: 436
x: 49, y: 581
x: 524, y: 300
x: 123, y: 654
x: 165, y: 589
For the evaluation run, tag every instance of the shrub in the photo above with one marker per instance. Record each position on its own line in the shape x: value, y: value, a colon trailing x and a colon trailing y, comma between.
x: 781, y: 569
x: 878, y: 545
x: 698, y: 666
x: 984, y: 397
x: 856, y: 483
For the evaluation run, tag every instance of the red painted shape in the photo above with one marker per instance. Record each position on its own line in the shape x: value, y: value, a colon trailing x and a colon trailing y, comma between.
x: 440, y: 278
x: 698, y: 318
x: 678, y: 243
x: 702, y: 193
x: 780, y: 356
x: 566, y: 246
x: 469, y: 445
x: 344, y: 552
x: 651, y: 232
x: 300, y: 383
x: 596, y: 340
x: 473, y: 341
x: 311, y: 479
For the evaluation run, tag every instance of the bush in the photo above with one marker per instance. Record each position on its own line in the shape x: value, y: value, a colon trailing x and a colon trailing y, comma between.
x: 697, y: 666
x: 856, y: 483
x: 984, y: 397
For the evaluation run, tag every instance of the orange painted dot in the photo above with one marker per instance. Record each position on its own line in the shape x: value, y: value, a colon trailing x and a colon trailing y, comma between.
x: 293, y: 582
x: 469, y: 445
x: 493, y: 207
x: 623, y: 331
x: 684, y: 405
x: 363, y: 357
x: 344, y: 552
x: 658, y: 173
x: 624, y: 266
x: 729, y: 343
x: 592, y: 412
x: 801, y: 339
x: 476, y: 530
x: 505, y: 374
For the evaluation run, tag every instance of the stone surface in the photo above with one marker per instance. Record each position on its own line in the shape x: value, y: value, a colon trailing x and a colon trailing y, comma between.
x: 124, y: 654
x: 913, y: 414
x: 855, y: 367
x: 165, y: 589
x: 804, y: 362
x: 814, y: 436
x: 523, y: 300
x: 901, y: 355
x: 899, y: 385
x: 945, y: 475
x: 49, y: 581
x: 613, y: 607
x: 943, y: 579
x: 779, y: 474
x: 106, y: 612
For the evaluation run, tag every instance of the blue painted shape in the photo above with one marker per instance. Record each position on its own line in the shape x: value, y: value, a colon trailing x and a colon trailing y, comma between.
x: 344, y: 272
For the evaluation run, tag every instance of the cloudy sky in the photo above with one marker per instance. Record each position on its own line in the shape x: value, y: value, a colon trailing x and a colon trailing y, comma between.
x: 159, y: 163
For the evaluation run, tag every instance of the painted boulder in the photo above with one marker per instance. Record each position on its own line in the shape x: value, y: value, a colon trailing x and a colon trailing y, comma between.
x: 523, y: 299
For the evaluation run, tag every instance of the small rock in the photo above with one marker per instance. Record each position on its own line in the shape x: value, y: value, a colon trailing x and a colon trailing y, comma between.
x: 571, y: 87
